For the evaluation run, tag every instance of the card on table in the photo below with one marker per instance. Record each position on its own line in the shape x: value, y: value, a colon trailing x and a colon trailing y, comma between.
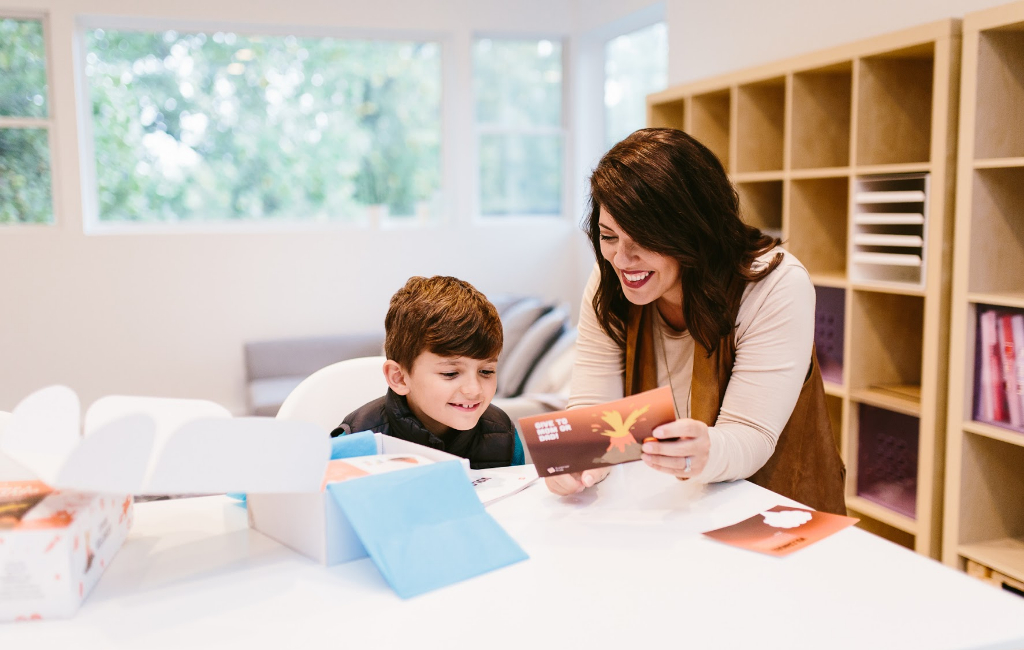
x: 595, y: 436
x: 781, y: 530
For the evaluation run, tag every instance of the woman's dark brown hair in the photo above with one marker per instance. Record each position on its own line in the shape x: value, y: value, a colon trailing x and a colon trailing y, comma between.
x: 671, y: 195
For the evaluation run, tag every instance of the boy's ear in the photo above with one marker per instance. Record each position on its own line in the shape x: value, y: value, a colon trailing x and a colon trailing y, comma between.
x: 396, y: 377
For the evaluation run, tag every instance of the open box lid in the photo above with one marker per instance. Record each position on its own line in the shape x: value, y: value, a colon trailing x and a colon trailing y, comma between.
x: 149, y: 445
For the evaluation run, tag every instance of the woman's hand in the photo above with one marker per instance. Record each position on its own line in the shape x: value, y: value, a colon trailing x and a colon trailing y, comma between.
x: 566, y: 484
x: 681, y: 458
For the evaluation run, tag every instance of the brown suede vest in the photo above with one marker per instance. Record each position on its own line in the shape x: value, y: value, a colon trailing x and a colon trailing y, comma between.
x: 805, y: 466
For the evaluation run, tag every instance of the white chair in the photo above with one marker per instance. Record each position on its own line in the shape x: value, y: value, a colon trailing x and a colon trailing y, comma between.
x: 329, y: 394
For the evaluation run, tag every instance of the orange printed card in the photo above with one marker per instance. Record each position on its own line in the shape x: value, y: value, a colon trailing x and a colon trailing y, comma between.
x: 595, y: 436
x: 781, y: 530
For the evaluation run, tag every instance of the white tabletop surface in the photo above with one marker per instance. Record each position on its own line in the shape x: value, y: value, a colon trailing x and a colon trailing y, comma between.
x: 621, y: 566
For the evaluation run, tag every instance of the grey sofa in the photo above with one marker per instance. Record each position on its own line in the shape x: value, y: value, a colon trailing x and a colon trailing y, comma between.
x: 533, y: 369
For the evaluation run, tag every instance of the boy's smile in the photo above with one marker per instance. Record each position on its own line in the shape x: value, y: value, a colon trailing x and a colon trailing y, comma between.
x: 447, y: 393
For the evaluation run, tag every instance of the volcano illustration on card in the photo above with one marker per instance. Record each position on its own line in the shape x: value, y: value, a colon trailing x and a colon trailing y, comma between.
x: 595, y: 436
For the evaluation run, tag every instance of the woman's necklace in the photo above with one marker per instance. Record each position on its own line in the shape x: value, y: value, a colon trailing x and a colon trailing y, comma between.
x: 668, y: 369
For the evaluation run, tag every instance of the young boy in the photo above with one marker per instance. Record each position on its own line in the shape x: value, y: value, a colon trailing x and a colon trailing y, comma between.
x: 442, y: 339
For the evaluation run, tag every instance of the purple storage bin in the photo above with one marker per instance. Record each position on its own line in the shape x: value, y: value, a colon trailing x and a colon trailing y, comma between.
x: 887, y: 459
x: 829, y: 312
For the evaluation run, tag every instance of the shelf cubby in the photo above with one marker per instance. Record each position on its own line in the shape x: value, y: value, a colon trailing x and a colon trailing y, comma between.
x: 821, y: 117
x: 761, y: 204
x: 710, y: 122
x: 887, y: 331
x: 760, y: 120
x: 887, y: 455
x: 991, y: 512
x: 1000, y: 93
x: 817, y: 223
x: 998, y: 377
x: 829, y: 325
x: 670, y: 115
x: 894, y: 107
x: 889, y: 225
x: 997, y: 232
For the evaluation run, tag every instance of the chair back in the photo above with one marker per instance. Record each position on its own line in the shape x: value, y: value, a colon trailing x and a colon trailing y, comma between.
x: 329, y: 394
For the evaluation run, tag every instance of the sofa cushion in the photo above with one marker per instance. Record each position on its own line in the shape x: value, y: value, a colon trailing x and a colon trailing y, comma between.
x: 267, y: 395
x: 553, y: 371
x: 515, y: 322
x: 520, y: 360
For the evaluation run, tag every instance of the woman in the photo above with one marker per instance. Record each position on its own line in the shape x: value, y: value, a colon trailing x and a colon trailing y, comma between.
x: 685, y: 294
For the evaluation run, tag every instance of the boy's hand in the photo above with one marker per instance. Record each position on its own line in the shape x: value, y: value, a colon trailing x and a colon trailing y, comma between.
x: 566, y: 484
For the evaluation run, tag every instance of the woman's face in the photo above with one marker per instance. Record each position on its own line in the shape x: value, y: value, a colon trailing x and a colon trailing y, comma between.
x: 646, y: 276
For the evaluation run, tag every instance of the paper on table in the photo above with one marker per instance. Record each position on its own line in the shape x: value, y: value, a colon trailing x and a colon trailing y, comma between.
x: 495, y: 484
x: 161, y: 446
x: 781, y: 530
x: 424, y: 527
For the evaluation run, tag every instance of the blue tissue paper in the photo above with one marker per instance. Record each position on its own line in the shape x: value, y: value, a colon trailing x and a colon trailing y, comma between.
x: 424, y: 527
x: 362, y: 443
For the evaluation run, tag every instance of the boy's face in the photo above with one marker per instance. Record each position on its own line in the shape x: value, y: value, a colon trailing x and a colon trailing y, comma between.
x: 447, y: 392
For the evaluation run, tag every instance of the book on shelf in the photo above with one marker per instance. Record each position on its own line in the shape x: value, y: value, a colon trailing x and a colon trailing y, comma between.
x: 992, y: 390
x: 1008, y: 357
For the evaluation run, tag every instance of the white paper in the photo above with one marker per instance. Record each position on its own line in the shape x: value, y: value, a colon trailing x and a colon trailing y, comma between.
x: 495, y: 484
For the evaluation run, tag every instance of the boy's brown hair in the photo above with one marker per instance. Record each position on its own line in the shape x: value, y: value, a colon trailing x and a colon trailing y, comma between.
x: 443, y: 315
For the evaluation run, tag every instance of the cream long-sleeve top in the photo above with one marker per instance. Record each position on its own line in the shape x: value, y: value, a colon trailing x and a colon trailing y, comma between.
x: 774, y: 334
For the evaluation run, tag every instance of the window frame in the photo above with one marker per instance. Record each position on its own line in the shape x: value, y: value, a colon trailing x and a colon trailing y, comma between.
x: 93, y: 225
x: 48, y: 122
x: 562, y: 130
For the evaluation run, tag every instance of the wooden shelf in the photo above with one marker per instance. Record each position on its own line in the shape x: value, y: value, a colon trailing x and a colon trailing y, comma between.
x: 817, y: 223
x: 997, y: 231
x: 761, y: 203
x: 904, y: 168
x: 1005, y: 555
x: 899, y: 398
x: 834, y: 389
x: 760, y: 117
x: 1000, y: 95
x: 710, y: 122
x: 998, y: 163
x: 757, y: 177
x: 821, y: 117
x: 894, y: 109
x: 881, y: 513
x: 668, y: 115
x: 820, y: 172
x: 887, y: 330
x: 835, y: 280
x: 1012, y: 300
x: 898, y: 288
x: 1003, y: 434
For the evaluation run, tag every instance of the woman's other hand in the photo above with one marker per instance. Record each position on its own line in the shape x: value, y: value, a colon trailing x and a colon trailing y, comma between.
x: 566, y: 484
x: 681, y: 450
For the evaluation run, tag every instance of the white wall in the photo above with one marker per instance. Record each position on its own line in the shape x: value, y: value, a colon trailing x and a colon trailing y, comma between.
x: 709, y: 38
x: 167, y: 314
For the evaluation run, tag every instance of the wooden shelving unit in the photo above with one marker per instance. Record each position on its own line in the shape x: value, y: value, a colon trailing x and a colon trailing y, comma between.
x: 984, y: 513
x: 800, y: 139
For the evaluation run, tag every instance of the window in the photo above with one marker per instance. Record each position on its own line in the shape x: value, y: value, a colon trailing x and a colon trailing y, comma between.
x: 25, y: 193
x: 634, y: 66
x: 518, y: 89
x: 221, y: 126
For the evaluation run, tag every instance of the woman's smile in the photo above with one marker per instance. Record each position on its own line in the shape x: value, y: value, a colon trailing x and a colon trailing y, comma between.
x: 635, y: 279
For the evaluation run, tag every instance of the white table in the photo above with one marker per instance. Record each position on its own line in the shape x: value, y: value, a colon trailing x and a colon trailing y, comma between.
x: 621, y: 566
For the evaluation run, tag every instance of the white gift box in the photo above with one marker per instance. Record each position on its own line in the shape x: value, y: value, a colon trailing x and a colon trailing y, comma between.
x: 126, y: 446
x: 313, y: 524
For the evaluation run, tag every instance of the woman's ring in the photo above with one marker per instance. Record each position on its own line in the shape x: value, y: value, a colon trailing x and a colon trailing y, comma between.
x: 686, y: 467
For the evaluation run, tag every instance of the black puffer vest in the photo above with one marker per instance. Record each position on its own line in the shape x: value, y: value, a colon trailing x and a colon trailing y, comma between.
x: 489, y: 444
